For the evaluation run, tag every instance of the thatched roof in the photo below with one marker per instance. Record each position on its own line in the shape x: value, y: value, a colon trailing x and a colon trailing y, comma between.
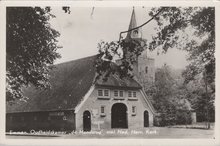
x: 70, y: 82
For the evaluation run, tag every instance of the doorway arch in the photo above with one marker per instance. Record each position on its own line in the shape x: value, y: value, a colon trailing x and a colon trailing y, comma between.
x: 146, y: 118
x: 119, y: 116
x: 86, y: 121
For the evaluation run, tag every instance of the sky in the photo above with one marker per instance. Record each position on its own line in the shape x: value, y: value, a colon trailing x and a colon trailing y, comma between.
x: 81, y: 32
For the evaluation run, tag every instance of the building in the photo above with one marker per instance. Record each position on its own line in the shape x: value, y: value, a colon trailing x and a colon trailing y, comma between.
x: 77, y: 102
x: 144, y: 67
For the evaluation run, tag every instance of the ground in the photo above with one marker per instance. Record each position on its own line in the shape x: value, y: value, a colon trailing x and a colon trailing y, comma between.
x: 154, y: 132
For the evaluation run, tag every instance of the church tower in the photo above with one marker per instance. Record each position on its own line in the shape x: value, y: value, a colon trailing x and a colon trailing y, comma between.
x: 144, y: 68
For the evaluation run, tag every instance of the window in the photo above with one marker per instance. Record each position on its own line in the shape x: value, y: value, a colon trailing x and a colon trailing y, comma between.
x: 146, y: 69
x: 133, y: 109
x: 133, y: 112
x: 134, y: 94
x: 35, y: 118
x: 121, y: 93
x: 129, y: 94
x: 103, y: 94
x: 106, y: 92
x: 102, y: 111
x: 116, y: 93
x: 100, y: 93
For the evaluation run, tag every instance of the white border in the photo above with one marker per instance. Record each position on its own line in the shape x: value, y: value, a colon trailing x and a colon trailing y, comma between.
x: 201, y: 142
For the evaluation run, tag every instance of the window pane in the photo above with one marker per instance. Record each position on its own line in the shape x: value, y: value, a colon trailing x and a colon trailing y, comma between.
x: 134, y: 94
x: 102, y: 109
x: 116, y: 93
x: 121, y: 93
x: 106, y: 93
x: 129, y: 94
x: 100, y: 93
x: 133, y: 109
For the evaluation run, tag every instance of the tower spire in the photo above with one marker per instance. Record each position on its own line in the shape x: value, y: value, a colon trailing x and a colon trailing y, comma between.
x: 133, y: 23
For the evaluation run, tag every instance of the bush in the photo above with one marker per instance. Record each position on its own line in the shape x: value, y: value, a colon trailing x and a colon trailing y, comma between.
x: 180, y: 117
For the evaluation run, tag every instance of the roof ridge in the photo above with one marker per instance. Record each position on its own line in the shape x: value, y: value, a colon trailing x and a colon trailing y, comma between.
x: 75, y: 60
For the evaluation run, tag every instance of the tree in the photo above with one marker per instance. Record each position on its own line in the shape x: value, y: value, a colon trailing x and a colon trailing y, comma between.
x: 173, y: 28
x: 31, y: 46
x: 187, y: 28
x: 176, y: 26
x: 171, y: 98
x: 202, y: 98
x: 163, y: 95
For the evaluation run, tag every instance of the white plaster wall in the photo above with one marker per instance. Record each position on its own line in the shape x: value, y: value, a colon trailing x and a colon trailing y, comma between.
x: 93, y: 103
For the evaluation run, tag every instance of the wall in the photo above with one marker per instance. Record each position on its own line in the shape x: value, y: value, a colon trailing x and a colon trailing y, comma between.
x: 93, y: 104
x: 26, y: 121
x: 146, y: 78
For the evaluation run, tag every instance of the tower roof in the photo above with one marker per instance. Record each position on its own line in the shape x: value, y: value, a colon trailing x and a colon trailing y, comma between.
x: 133, y: 23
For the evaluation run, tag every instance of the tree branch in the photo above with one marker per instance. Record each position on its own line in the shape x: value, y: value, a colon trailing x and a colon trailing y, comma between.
x: 141, y: 24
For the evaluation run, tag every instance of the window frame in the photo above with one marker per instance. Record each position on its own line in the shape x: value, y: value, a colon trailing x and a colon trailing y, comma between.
x: 134, y: 93
x: 100, y: 92
x: 102, y: 111
x: 104, y: 90
x: 121, y: 91
x: 133, y: 110
x: 130, y: 93
x: 116, y: 91
x: 104, y: 96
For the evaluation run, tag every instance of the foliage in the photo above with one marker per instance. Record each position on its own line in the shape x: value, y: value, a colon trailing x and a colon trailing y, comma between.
x: 187, y: 28
x: 30, y: 48
x: 175, y: 25
x: 169, y: 98
x: 202, y: 99
x: 125, y: 51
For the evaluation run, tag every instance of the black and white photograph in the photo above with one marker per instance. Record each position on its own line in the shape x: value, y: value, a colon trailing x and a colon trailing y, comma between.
x: 110, y: 72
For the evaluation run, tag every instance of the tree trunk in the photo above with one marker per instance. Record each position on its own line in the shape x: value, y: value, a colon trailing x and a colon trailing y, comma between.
x: 207, y: 99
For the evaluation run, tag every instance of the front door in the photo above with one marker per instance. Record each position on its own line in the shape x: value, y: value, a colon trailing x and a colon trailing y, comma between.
x: 146, y: 119
x: 86, y: 121
x: 119, y: 116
